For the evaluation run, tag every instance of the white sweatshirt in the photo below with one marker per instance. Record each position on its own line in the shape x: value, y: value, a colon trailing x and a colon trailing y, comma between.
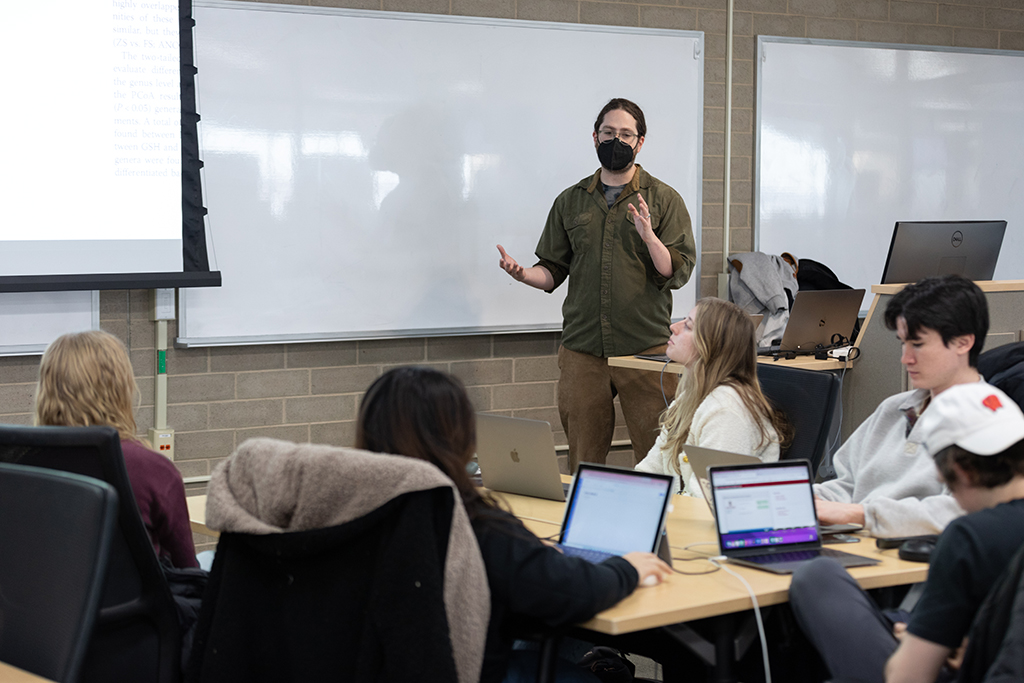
x: 891, y: 474
x: 722, y: 422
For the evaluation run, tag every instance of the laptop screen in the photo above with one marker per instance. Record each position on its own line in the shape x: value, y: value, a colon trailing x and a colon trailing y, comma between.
x: 762, y: 506
x: 615, y: 511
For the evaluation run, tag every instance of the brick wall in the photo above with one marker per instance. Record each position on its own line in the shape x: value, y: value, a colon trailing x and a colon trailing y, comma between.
x: 218, y: 397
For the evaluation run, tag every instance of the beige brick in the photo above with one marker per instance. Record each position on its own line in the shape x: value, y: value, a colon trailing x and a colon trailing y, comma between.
x: 609, y: 14
x: 742, y: 240
x: 714, y: 96
x: 714, y: 72
x: 930, y: 35
x: 711, y: 240
x: 1011, y: 40
x: 17, y: 369
x: 744, y: 48
x: 114, y: 304
x: 815, y: 8
x: 333, y: 433
x: 549, y: 415
x: 713, y: 191
x: 236, y: 414
x: 702, y: 4
x: 118, y: 328
x: 272, y: 383
x: 739, y: 216
x: 348, y: 4
x: 976, y: 38
x: 741, y: 168
x: 198, y: 388
x: 526, y: 344
x: 320, y: 409
x: 779, y: 25
x: 193, y: 468
x: 536, y: 369
x: 187, y: 361
x: 876, y: 10
x: 668, y: 17
x: 17, y: 419
x: 712, y: 216
x: 774, y: 6
x: 505, y: 9
x: 742, y: 191
x: 411, y: 350
x: 832, y: 29
x: 203, y: 445
x: 321, y: 355
x: 880, y: 32
x: 188, y: 417
x: 712, y: 22
x: 913, y: 12
x: 962, y: 17
x: 458, y: 348
x: 548, y: 10
x: 516, y: 396
x: 242, y: 358
x: 143, y: 362
x: 742, y: 98
x: 347, y: 380
x: 1005, y: 19
x: 479, y: 372
x: 708, y: 285
x: 146, y: 389
x: 713, y: 167
x: 714, y: 119
x: 293, y: 433
x: 420, y: 6
x: 480, y: 397
x: 141, y: 334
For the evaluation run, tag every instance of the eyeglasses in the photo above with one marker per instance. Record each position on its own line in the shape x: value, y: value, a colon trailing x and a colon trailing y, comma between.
x: 606, y: 134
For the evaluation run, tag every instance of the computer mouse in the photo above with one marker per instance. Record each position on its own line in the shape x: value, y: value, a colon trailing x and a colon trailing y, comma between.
x: 917, y: 549
x: 651, y: 580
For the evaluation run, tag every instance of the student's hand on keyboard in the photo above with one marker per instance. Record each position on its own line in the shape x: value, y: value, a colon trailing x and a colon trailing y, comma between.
x: 650, y: 567
x: 830, y: 512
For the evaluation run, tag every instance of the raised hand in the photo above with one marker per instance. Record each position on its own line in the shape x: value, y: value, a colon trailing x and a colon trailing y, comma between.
x: 641, y: 218
x: 510, y: 266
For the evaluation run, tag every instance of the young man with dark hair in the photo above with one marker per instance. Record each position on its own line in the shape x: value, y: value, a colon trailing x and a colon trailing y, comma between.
x: 884, y: 476
x: 977, y: 435
x: 623, y: 239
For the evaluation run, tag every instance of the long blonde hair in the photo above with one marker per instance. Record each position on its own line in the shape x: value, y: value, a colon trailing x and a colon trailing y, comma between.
x: 724, y: 343
x: 86, y: 379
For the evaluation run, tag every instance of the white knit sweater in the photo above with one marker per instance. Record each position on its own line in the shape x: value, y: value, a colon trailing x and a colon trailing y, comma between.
x: 722, y: 422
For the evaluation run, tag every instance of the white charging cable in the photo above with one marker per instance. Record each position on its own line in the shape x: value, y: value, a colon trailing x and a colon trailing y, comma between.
x: 757, y: 614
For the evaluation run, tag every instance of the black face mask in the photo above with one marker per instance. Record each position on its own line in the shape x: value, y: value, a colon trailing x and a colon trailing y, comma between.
x: 614, y: 154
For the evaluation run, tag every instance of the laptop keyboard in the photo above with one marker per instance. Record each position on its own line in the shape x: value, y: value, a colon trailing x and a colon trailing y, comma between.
x: 592, y: 556
x: 795, y: 556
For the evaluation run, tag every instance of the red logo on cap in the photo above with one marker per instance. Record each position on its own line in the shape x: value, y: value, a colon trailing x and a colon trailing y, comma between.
x: 992, y: 402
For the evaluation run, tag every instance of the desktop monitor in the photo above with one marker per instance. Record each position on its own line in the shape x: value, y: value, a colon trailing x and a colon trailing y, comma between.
x: 921, y: 249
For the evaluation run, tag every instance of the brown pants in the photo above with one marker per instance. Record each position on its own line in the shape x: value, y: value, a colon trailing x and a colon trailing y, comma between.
x: 587, y: 386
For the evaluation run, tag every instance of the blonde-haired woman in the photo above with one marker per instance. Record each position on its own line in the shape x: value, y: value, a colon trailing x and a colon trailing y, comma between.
x: 719, y: 403
x: 85, y: 380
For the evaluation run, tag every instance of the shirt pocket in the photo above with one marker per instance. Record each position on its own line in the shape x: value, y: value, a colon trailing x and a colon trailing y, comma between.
x: 578, y: 230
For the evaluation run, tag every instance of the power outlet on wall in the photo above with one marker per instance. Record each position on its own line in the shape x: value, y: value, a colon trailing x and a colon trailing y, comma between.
x: 163, y: 441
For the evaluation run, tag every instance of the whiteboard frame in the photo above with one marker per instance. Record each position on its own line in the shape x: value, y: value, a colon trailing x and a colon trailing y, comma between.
x: 694, y: 208
x: 763, y: 41
x: 37, y: 348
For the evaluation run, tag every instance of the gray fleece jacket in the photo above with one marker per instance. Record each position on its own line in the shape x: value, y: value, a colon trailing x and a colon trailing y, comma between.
x: 891, y: 474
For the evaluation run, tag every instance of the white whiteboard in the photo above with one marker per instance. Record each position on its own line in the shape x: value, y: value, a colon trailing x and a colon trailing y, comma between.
x: 361, y: 166
x: 853, y: 137
x: 29, y: 321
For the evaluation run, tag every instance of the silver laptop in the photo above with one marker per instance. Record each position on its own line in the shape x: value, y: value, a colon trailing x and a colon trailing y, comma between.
x: 766, y: 517
x: 702, y: 458
x: 922, y: 249
x: 518, y: 456
x: 613, y: 511
x: 816, y: 316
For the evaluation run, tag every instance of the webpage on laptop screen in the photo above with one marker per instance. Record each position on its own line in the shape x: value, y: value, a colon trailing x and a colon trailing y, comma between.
x: 763, y: 507
x: 615, y: 513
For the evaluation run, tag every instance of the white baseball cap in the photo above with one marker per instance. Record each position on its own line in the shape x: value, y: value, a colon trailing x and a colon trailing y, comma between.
x: 977, y: 417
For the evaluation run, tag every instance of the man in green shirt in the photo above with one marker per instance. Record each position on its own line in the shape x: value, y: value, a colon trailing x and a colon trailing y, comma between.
x: 623, y: 239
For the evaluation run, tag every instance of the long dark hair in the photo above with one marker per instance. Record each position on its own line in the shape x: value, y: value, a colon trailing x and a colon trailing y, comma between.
x: 423, y: 413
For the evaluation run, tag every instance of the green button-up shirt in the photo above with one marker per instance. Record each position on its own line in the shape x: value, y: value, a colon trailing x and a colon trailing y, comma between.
x: 618, y: 303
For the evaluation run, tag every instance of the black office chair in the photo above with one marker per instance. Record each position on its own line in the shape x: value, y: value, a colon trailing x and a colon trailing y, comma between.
x: 137, y: 637
x: 55, y: 532
x: 809, y: 399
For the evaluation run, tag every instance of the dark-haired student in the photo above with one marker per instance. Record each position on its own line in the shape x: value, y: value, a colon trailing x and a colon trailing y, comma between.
x: 426, y: 414
x: 884, y: 476
x: 977, y: 435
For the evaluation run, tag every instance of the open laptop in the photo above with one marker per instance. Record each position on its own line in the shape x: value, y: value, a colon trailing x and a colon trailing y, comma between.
x: 921, y: 249
x: 766, y: 517
x: 816, y: 316
x: 703, y: 458
x: 518, y: 456
x: 613, y: 511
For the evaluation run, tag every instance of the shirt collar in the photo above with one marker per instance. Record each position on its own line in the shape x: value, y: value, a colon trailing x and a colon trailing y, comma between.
x: 640, y: 180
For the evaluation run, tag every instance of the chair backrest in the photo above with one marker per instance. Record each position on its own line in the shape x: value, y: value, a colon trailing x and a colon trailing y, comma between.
x: 809, y: 399
x: 55, y: 531
x: 137, y: 637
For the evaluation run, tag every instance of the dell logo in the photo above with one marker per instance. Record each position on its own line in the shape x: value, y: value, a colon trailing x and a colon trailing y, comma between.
x: 515, y: 455
x: 958, y: 238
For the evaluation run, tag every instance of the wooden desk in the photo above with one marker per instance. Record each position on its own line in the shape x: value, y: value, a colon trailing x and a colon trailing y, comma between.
x: 12, y: 674
x: 197, y: 516
x: 802, y: 362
